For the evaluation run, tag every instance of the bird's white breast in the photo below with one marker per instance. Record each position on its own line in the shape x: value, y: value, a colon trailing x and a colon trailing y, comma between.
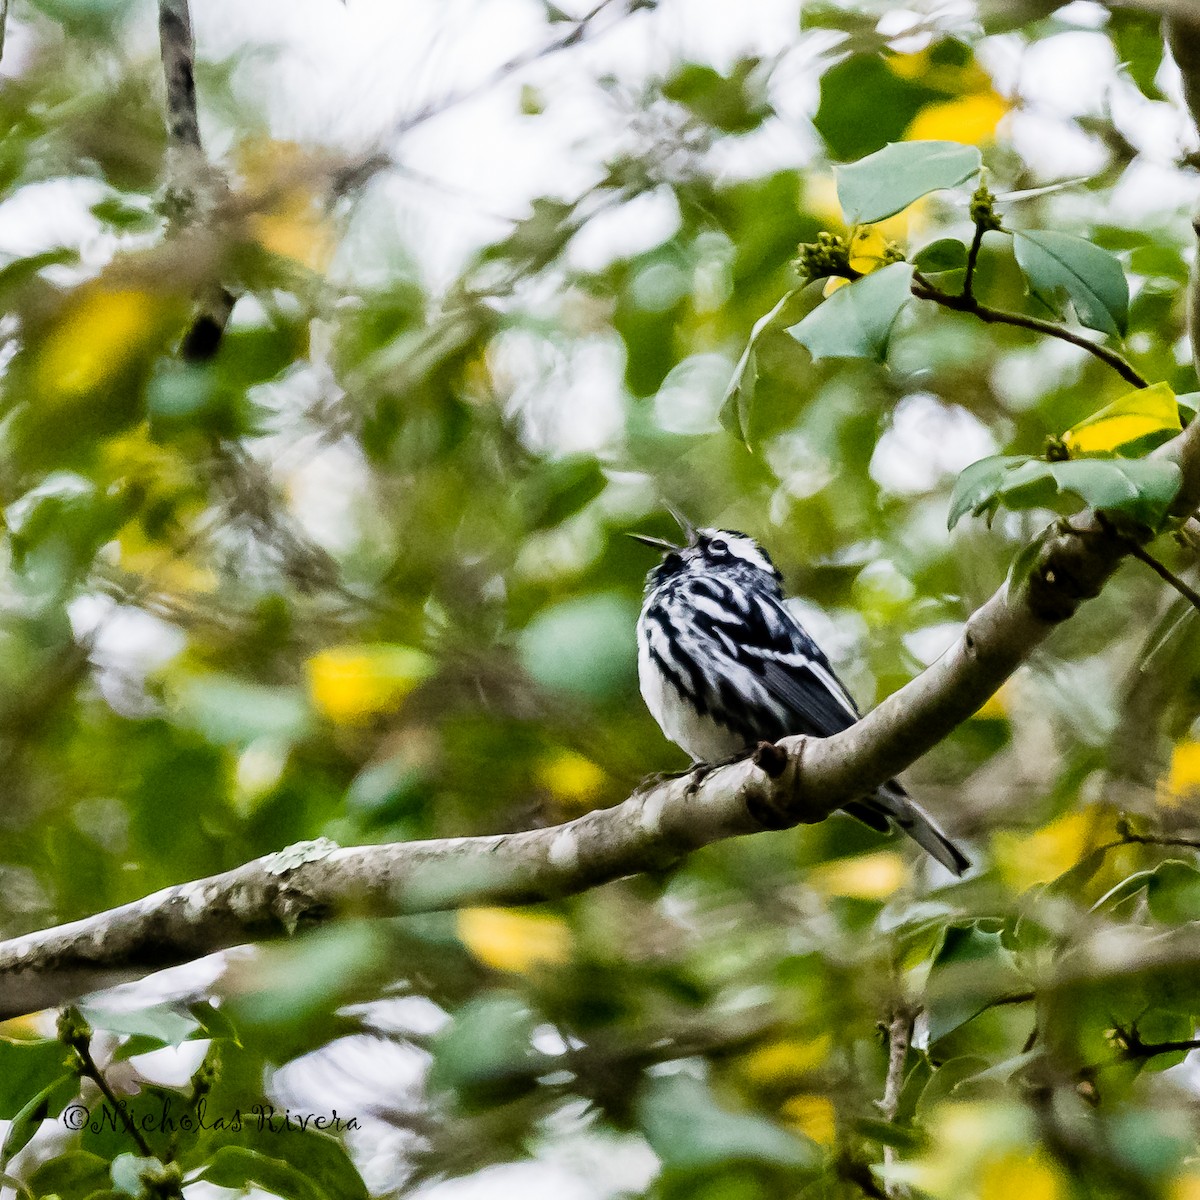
x: 699, y: 735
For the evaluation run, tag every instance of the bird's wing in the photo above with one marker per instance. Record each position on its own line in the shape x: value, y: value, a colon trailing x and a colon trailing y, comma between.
x: 756, y: 633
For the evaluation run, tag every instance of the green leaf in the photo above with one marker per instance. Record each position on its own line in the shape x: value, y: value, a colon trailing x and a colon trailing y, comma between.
x: 735, y: 103
x: 558, y: 489
x: 735, y: 406
x: 971, y: 968
x: 1092, y: 278
x: 242, y: 1169
x: 71, y: 1176
x: 319, y: 1158
x: 1138, y: 40
x: 689, y: 1130
x: 164, y: 1024
x: 1173, y: 892
x: 888, y: 181
x: 582, y: 646
x: 228, y: 708
x: 1143, y: 418
x: 128, y: 1172
x: 302, y: 981
x: 324, y: 1161
x: 977, y: 487
x: 1140, y: 489
x: 26, y: 1068
x: 213, y: 1022
x: 49, y: 1102
x: 941, y: 257
x: 18, y: 273
x: 864, y: 105
x: 739, y: 395
x: 486, y: 1053
x: 856, y: 321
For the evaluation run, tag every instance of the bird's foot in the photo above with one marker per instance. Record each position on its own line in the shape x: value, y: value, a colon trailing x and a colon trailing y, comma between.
x: 650, y: 782
x: 702, y: 770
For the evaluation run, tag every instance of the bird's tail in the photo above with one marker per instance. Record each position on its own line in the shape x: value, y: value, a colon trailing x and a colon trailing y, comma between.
x: 892, y: 805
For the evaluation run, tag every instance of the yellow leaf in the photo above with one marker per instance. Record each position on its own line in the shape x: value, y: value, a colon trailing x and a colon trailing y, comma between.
x: 970, y: 119
x: 785, y: 1060
x: 868, y: 248
x: 161, y: 567
x: 821, y: 199
x: 1183, y: 779
x: 1184, y: 1187
x: 866, y: 877
x: 100, y: 333
x: 960, y: 78
x: 1130, y: 418
x: 1016, y: 1174
x: 571, y: 779
x: 1026, y: 859
x: 814, y: 1116
x: 33, y: 1027
x: 289, y: 218
x: 350, y: 684
x: 995, y: 707
x: 514, y: 941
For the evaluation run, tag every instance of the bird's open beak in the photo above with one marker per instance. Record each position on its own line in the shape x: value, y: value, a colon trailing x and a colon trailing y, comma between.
x: 657, y: 543
x: 689, y: 530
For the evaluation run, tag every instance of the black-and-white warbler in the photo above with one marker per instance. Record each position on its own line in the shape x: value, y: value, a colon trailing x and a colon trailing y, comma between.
x: 724, y: 664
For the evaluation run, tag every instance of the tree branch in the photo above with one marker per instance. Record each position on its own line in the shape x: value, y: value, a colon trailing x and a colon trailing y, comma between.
x: 1182, y: 32
x: 195, y: 190
x: 966, y: 302
x: 1131, y: 1048
x: 900, y: 1030
x: 1165, y: 573
x: 1171, y: 9
x: 298, y: 888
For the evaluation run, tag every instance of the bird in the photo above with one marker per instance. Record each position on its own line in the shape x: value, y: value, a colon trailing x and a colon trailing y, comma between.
x: 724, y: 664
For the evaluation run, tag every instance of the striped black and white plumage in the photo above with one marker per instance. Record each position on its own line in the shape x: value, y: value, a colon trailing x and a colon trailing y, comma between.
x: 724, y: 664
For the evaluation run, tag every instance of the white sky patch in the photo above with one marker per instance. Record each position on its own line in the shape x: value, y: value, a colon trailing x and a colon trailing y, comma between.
x: 128, y: 644
x: 927, y: 442
x: 1069, y: 74
x: 52, y: 213
x: 641, y: 224
x: 529, y: 1179
x: 324, y: 491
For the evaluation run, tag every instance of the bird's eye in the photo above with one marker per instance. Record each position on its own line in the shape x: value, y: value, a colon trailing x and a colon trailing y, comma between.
x: 718, y: 549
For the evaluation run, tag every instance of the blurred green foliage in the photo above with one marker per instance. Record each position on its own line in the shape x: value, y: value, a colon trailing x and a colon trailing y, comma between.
x: 363, y: 575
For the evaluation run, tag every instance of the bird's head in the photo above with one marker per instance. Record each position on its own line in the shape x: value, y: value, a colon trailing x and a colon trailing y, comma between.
x: 724, y: 552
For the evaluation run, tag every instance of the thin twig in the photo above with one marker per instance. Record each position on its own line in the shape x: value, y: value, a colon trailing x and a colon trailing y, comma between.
x: 1015, y: 998
x: 195, y: 190
x: 3, y: 24
x: 77, y: 1034
x: 900, y: 1030
x: 356, y: 174
x: 1131, y: 1048
x: 1185, y: 590
x: 577, y: 32
x: 924, y: 290
x: 1140, y: 839
x: 973, y: 260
